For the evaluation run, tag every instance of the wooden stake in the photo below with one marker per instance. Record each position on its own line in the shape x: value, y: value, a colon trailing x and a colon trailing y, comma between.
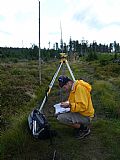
x: 39, y: 49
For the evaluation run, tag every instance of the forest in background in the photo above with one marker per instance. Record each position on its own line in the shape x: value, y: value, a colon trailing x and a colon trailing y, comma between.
x: 73, y: 49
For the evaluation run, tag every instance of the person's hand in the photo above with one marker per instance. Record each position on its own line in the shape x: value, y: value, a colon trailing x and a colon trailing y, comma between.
x: 65, y: 104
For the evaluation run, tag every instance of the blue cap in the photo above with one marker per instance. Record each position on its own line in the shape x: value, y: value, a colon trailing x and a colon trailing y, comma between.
x: 63, y: 80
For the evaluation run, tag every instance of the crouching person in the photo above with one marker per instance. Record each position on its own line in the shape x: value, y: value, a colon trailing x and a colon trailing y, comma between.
x: 80, y: 103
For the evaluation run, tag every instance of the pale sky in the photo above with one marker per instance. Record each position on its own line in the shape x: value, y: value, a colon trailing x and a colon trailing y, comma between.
x: 92, y: 20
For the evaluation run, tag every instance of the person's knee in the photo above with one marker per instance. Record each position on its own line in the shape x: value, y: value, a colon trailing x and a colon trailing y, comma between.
x: 64, y: 118
x: 60, y: 118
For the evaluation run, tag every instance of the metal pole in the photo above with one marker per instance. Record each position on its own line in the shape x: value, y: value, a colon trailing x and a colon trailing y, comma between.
x: 70, y: 70
x: 39, y: 49
x: 61, y: 37
x: 50, y: 86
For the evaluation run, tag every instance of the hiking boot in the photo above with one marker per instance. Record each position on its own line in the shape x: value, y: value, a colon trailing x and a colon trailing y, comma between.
x: 82, y: 133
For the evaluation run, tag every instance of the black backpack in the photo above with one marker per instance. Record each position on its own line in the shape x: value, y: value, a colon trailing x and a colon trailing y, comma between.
x: 39, y: 126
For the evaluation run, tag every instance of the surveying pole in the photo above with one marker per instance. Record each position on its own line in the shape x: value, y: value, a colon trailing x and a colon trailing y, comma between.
x: 39, y: 49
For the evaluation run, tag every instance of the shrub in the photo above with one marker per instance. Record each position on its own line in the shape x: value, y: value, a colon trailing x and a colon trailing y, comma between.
x: 106, y: 98
x: 92, y: 56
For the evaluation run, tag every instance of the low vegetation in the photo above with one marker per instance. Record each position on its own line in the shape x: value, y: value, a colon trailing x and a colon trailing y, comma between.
x: 21, y: 93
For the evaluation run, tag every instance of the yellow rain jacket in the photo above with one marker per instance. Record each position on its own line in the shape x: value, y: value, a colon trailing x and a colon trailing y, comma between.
x: 80, y: 98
